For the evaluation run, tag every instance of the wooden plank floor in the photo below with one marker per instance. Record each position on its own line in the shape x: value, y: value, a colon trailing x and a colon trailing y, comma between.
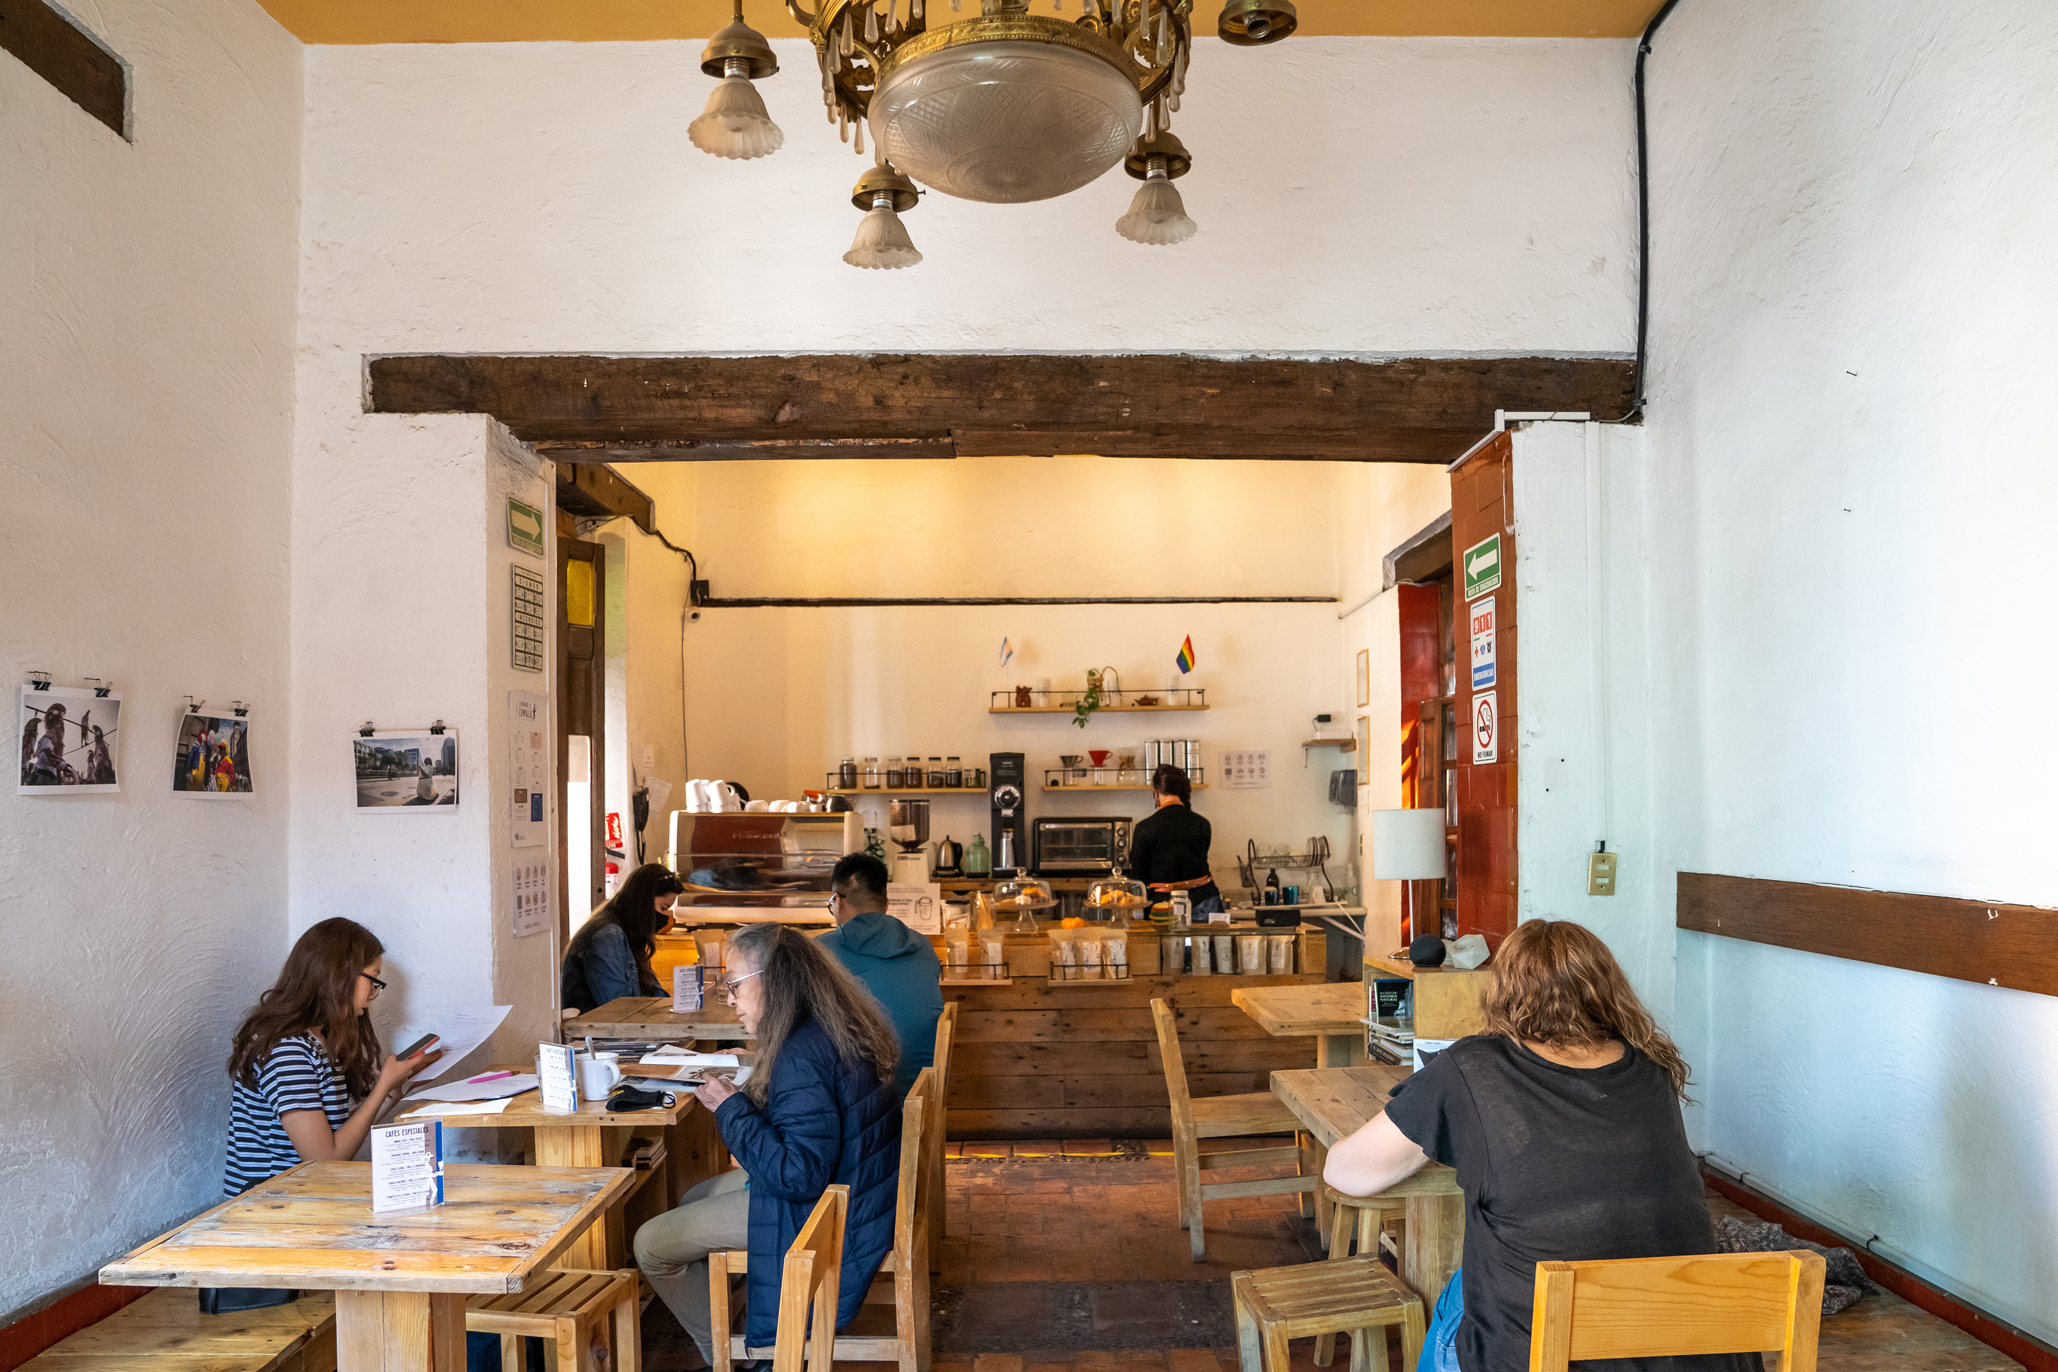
x: 1029, y: 1220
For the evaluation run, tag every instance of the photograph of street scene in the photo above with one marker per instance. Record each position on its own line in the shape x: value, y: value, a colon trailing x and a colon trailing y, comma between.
x: 395, y: 769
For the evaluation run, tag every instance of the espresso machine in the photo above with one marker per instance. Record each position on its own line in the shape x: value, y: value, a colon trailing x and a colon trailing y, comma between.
x: 907, y: 824
x: 1010, y: 813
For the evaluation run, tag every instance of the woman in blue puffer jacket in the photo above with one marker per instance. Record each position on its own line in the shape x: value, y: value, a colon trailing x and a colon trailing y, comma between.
x: 819, y: 1109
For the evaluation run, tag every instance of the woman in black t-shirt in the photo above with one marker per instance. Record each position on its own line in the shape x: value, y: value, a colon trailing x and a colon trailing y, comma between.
x: 1563, y: 1123
x: 1169, y: 851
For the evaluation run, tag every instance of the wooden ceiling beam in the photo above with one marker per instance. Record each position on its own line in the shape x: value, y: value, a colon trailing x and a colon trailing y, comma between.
x: 591, y: 488
x: 996, y: 405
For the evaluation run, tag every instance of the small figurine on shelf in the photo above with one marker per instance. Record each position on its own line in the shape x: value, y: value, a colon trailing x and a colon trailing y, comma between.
x: 1023, y: 698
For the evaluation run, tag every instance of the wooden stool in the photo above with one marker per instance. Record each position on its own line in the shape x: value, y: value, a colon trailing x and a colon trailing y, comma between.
x: 1369, y: 1214
x: 571, y: 1312
x: 1357, y: 1296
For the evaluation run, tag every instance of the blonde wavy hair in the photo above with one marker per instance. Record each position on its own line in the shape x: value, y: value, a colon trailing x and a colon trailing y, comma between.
x: 1554, y: 982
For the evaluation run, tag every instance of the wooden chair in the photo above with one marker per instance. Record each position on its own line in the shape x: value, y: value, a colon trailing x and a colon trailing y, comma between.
x: 939, y: 1207
x: 903, y: 1282
x: 812, y: 1277
x: 1357, y: 1296
x: 1219, y: 1117
x: 588, y: 1322
x: 1671, y: 1307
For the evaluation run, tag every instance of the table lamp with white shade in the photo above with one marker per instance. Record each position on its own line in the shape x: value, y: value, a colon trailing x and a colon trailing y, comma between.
x: 1408, y: 845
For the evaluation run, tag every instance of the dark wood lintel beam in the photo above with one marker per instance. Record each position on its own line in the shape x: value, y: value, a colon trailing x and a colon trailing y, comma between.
x: 978, y: 405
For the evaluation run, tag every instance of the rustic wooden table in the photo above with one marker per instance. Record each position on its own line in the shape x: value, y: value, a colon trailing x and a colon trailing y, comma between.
x: 400, y: 1279
x: 652, y: 1017
x: 595, y: 1137
x: 1336, y: 1102
x: 1333, y: 1014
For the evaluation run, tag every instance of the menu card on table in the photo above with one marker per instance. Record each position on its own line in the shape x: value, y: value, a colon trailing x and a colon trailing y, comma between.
x: 407, y: 1166
x: 556, y: 1078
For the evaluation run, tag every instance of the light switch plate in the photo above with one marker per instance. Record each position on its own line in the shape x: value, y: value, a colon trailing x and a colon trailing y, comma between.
x: 1600, y: 874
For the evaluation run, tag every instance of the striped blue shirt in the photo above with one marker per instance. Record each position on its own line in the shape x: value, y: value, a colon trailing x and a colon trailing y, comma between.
x: 297, y: 1075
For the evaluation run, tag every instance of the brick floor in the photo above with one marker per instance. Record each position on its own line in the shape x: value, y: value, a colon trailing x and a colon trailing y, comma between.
x: 1029, y: 1223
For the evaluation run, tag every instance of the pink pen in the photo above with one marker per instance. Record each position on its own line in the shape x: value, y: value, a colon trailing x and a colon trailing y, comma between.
x: 489, y: 1076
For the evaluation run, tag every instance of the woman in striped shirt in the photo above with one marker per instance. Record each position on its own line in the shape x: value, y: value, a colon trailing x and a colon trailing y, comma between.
x: 307, y: 1082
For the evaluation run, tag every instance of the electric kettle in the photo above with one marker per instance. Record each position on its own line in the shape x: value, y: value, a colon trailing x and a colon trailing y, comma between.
x: 950, y: 858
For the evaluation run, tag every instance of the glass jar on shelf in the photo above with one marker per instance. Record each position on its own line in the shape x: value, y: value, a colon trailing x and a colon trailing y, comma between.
x: 895, y: 778
x: 847, y: 774
x: 935, y: 773
x: 871, y: 774
x: 1023, y: 898
x: 953, y: 773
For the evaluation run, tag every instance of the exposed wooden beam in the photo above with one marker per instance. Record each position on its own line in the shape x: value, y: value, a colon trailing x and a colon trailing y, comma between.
x: 1139, y: 405
x: 58, y: 50
x: 2015, y: 946
x: 593, y: 489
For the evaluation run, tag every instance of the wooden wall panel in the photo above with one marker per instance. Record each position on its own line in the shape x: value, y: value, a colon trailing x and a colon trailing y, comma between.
x: 2013, y: 946
x: 1482, y: 505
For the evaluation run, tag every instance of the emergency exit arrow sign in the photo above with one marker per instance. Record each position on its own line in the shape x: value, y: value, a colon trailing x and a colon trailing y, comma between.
x: 1483, y: 567
x: 524, y: 527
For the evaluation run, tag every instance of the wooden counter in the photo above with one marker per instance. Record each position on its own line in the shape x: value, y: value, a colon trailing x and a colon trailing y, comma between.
x: 1079, y: 1060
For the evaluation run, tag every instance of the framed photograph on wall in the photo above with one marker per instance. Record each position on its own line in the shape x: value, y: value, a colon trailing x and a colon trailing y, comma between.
x: 1364, y: 737
x: 1364, y: 677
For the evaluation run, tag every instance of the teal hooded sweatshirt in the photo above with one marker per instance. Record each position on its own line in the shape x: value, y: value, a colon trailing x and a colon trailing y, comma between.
x: 898, y: 966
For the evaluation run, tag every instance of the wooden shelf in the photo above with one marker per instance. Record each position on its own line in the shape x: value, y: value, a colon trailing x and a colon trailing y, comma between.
x: 1348, y: 745
x: 1073, y: 710
x: 1089, y: 788
x: 913, y: 791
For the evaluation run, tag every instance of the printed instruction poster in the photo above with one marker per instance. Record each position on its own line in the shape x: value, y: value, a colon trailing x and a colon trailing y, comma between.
x: 528, y: 767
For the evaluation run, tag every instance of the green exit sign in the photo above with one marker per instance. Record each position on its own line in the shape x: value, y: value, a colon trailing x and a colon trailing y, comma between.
x: 1483, y: 567
x: 524, y: 527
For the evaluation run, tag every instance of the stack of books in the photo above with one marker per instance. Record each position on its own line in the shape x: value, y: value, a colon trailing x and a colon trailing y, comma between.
x: 1390, y: 1022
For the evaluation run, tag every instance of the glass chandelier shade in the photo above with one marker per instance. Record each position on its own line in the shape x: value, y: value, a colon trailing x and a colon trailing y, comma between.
x: 882, y: 240
x: 736, y: 123
x: 1157, y: 216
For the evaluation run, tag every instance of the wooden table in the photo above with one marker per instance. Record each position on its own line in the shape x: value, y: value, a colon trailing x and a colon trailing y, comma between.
x: 652, y: 1017
x: 1336, y: 1102
x: 400, y: 1279
x: 595, y: 1137
x: 1333, y: 1014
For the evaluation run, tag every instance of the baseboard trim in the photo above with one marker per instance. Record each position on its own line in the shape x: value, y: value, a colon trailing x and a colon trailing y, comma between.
x: 2032, y: 1352
x: 60, y: 1315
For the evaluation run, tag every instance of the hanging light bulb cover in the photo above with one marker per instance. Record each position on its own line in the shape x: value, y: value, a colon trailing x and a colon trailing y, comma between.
x: 1157, y: 216
x: 1247, y: 23
x: 736, y: 123
x: 882, y: 241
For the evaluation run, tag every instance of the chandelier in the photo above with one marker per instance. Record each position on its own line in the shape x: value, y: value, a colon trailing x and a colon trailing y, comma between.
x: 1003, y: 107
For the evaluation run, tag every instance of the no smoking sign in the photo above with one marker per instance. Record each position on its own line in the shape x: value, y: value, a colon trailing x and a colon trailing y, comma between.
x: 1486, y: 727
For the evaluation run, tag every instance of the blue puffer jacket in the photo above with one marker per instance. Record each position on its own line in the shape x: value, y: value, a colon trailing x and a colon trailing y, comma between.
x: 824, y: 1122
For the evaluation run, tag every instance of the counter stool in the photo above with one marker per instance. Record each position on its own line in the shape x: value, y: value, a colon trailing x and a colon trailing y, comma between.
x: 571, y: 1312
x: 1369, y: 1214
x: 1357, y: 1296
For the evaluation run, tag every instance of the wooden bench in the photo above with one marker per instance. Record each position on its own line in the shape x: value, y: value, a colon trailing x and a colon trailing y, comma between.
x: 165, y: 1332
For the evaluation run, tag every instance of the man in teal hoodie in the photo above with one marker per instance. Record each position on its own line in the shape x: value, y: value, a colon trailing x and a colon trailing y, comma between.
x: 895, y: 963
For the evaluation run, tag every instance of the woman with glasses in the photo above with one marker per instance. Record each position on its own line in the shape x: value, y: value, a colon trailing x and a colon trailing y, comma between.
x: 818, y: 1109
x: 610, y: 955
x: 306, y: 1080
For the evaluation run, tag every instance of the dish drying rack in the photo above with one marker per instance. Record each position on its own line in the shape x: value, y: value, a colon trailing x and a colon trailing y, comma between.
x: 1315, y: 859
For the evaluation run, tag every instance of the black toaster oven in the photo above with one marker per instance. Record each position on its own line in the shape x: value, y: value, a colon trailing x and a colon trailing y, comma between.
x: 1080, y: 846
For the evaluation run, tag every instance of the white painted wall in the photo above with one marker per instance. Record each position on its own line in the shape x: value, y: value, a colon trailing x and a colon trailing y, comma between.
x: 1850, y: 494
x: 147, y: 322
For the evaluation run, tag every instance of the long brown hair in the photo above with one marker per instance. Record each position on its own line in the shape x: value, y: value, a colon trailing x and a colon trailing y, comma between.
x: 317, y: 993
x: 633, y: 910
x: 1554, y: 982
x: 801, y: 982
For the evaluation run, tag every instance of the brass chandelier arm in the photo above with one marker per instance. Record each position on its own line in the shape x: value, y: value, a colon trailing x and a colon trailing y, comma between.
x: 802, y: 17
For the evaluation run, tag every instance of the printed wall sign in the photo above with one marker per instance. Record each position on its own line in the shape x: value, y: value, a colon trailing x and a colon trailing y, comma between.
x: 1486, y: 727
x: 1483, y: 567
x: 1483, y: 643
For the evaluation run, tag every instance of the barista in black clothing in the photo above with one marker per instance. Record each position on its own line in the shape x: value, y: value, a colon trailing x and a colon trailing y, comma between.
x: 1562, y: 1120
x: 1169, y: 851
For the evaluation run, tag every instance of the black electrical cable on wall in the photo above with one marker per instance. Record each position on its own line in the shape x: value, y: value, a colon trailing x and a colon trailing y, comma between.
x: 1643, y: 213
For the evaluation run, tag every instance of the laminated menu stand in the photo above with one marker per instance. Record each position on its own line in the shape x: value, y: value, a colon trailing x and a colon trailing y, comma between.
x: 407, y: 1166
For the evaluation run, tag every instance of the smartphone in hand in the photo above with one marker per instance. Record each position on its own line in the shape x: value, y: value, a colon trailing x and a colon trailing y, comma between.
x: 420, y: 1045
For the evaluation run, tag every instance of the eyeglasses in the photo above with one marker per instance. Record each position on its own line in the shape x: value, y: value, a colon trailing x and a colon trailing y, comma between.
x: 729, y: 986
x: 377, y: 985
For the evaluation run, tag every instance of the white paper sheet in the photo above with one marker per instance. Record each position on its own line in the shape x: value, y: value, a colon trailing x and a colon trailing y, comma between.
x: 481, y: 1107
x: 683, y: 1058
x: 497, y: 1087
x: 463, y: 1030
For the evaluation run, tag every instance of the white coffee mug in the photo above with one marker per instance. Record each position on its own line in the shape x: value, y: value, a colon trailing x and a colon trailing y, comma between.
x: 598, y: 1074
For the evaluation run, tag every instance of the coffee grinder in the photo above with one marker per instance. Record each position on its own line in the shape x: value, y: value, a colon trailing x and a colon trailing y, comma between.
x: 907, y: 824
x: 1009, y: 817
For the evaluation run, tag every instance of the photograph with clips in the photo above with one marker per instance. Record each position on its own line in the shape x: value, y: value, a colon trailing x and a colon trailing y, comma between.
x: 68, y: 740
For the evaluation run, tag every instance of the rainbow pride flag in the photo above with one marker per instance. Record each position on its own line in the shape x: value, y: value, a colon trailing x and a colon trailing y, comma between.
x: 1185, y: 658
